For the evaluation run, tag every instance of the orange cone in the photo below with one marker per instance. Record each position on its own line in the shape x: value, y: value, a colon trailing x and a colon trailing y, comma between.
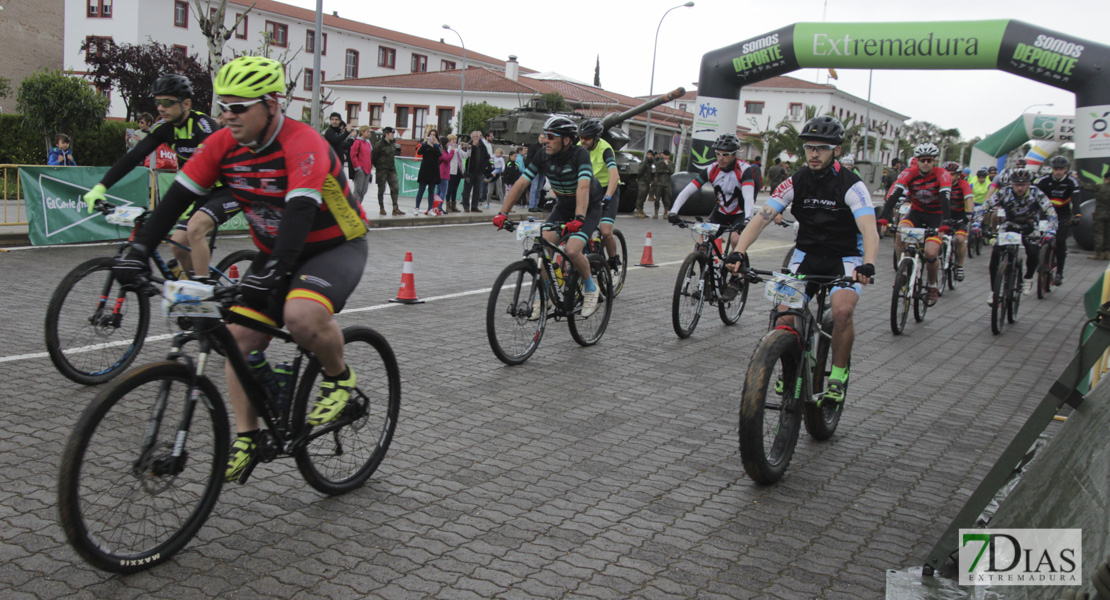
x: 407, y: 293
x: 645, y: 260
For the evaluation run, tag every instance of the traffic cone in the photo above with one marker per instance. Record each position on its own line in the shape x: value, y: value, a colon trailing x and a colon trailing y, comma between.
x: 407, y: 293
x: 645, y: 260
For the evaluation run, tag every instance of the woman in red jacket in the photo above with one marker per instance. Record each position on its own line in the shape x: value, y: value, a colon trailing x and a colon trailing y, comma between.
x: 361, y: 160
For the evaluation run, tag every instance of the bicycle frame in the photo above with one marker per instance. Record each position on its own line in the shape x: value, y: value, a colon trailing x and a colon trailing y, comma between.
x: 544, y: 252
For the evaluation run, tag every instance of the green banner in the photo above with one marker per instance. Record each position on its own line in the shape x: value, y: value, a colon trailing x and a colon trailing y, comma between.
x: 935, y: 45
x: 56, y: 212
x: 408, y: 169
x: 236, y: 223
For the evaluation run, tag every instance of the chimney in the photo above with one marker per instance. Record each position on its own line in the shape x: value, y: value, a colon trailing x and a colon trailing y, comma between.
x: 335, y: 13
x: 512, y: 68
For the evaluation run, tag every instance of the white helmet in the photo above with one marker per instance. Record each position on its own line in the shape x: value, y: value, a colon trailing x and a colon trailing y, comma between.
x: 848, y: 160
x: 926, y: 149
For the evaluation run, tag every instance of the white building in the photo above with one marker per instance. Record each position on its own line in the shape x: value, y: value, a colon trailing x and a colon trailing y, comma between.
x: 350, y: 49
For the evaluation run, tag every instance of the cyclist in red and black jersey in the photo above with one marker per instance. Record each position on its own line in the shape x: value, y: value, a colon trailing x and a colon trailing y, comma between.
x: 1060, y: 187
x: 963, y: 204
x: 928, y: 189
x: 310, y: 231
x: 733, y: 185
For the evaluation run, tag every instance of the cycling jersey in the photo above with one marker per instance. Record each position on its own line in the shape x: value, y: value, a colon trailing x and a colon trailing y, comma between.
x: 602, y: 159
x: 734, y: 188
x: 1059, y: 192
x: 296, y: 164
x: 1025, y: 211
x: 564, y: 170
x: 185, y: 139
x: 826, y: 206
x: 928, y: 192
x: 979, y: 190
x: 961, y: 191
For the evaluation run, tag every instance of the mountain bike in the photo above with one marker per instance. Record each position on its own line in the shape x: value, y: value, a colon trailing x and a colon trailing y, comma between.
x: 522, y: 300
x: 1007, y: 279
x: 975, y: 240
x: 787, y: 375
x: 910, y: 279
x: 145, y: 462
x: 1046, y: 267
x: 95, y: 327
x: 946, y: 270
x: 703, y: 276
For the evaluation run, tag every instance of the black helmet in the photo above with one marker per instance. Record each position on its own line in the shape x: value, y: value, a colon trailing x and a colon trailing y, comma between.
x: 561, y: 126
x: 981, y: 172
x: 1021, y: 176
x: 1059, y: 161
x: 590, y: 128
x: 823, y: 129
x: 727, y: 142
x: 951, y: 166
x: 1021, y: 163
x: 173, y: 85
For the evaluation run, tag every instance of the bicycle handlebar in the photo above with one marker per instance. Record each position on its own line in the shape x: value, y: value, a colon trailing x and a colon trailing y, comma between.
x: 756, y: 276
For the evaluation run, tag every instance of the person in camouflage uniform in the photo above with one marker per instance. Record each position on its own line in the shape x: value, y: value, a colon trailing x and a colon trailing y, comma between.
x: 661, y: 183
x: 647, y: 167
x: 382, y: 156
x: 1101, y: 217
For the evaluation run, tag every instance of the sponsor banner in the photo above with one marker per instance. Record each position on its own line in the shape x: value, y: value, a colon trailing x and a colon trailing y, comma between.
x: 56, y: 211
x: 408, y: 169
x: 1050, y: 128
x: 1023, y: 557
x: 1050, y: 57
x: 709, y: 114
x: 1092, y: 131
x: 936, y: 45
x: 763, y: 57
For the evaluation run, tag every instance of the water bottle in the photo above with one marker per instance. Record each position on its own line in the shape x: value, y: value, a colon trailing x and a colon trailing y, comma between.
x: 559, y: 272
x: 283, y: 374
x: 263, y: 372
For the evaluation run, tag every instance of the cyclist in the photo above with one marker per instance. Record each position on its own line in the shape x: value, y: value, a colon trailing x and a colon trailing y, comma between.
x: 1024, y: 206
x: 604, y: 163
x: 1060, y: 186
x: 578, y: 198
x: 184, y: 130
x: 849, y: 162
x: 1003, y: 179
x: 734, y: 187
x: 928, y: 189
x: 960, y: 210
x: 308, y: 228
x: 836, y: 232
x: 980, y: 185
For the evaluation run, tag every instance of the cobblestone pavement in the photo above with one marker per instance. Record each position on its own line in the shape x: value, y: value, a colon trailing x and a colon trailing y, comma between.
x: 603, y: 472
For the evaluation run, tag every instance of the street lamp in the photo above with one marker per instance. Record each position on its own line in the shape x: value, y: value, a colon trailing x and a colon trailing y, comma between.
x: 1032, y: 105
x: 462, y: 87
x: 648, y: 145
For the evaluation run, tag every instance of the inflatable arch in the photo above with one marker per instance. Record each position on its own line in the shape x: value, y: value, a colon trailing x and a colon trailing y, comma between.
x: 1059, y: 60
x: 1049, y: 131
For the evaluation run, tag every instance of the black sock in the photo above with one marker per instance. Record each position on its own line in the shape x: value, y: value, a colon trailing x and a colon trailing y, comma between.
x: 344, y: 375
x: 252, y: 435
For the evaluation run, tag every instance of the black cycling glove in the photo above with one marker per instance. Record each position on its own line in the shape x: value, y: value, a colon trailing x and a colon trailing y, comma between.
x: 257, y: 287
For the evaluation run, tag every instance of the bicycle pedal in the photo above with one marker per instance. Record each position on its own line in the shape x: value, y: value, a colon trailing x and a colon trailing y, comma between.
x: 246, y: 474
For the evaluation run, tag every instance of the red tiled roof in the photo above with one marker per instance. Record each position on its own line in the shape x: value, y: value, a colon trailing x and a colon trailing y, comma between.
x: 309, y: 16
x: 478, y: 79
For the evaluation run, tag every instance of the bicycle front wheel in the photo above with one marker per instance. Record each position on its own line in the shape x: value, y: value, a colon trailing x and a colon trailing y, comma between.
x: 587, y: 331
x: 900, y: 298
x: 731, y: 310
x: 920, y: 294
x: 770, y: 419
x: 341, y: 455
x: 1016, y: 290
x: 999, y: 296
x: 821, y: 420
x: 942, y: 269
x: 94, y: 330
x: 514, y: 332
x: 1044, y: 274
x: 689, y: 294
x: 125, y: 503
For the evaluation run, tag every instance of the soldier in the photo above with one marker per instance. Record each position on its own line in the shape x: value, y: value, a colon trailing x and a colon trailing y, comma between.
x: 661, y: 183
x: 383, y: 154
x: 647, y: 167
x: 1101, y: 217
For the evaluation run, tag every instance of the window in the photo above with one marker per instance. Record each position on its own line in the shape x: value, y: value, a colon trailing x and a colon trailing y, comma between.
x: 375, y: 115
x: 753, y: 108
x: 402, y: 117
x: 181, y: 13
x: 96, y: 44
x: 419, y: 63
x: 310, y: 43
x: 277, y: 33
x: 353, y: 112
x: 446, y: 65
x: 241, y: 30
x: 212, y: 10
x: 419, y: 119
x: 387, y: 57
x: 796, y: 111
x: 99, y: 9
x: 308, y: 80
x: 179, y: 54
x: 443, y: 118
x: 351, y: 70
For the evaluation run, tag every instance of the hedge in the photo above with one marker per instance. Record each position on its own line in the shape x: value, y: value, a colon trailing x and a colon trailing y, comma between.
x: 95, y: 148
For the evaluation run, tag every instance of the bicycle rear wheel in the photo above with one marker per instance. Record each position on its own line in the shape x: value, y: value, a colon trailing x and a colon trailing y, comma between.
x: 341, y: 455
x: 900, y: 299
x: 587, y: 331
x: 942, y: 269
x: 1044, y: 271
x: 124, y: 502
x: 513, y: 335
x: 94, y: 330
x: 821, y: 421
x: 1016, y: 290
x: 770, y: 421
x: 689, y: 294
x: 1000, y: 295
x: 617, y: 276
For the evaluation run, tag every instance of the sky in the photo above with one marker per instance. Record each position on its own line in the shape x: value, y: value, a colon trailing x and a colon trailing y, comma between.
x: 568, y: 36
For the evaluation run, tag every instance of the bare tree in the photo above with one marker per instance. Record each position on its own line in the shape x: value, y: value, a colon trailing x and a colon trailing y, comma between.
x: 214, y: 31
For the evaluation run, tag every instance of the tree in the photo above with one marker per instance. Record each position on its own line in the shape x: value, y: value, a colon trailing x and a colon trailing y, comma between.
x: 474, y: 116
x: 597, y: 72
x: 556, y: 102
x: 214, y: 31
x: 290, y: 82
x: 5, y: 87
x: 52, y: 102
x: 132, y: 70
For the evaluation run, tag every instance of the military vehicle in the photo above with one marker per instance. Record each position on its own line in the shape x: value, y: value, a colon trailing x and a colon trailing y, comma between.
x: 522, y: 126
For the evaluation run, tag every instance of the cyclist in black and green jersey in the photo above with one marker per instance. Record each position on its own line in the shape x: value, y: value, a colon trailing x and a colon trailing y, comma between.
x: 578, y: 197
x: 183, y: 129
x: 604, y: 163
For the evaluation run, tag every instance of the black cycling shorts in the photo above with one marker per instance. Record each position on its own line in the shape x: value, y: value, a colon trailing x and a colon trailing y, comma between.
x: 727, y: 220
x: 916, y: 218
x: 565, y: 211
x: 609, y: 215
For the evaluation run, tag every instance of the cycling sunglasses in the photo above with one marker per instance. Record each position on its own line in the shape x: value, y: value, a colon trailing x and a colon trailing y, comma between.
x: 818, y: 147
x: 926, y: 160
x: 238, y: 108
x: 166, y: 102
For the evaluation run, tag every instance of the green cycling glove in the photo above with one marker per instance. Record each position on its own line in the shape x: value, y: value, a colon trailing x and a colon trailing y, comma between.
x: 94, y: 195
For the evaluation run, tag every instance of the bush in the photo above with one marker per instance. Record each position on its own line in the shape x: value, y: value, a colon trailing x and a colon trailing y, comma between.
x: 19, y: 144
x: 101, y: 147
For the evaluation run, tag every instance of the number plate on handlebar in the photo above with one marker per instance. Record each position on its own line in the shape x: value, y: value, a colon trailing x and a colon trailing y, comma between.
x: 784, y: 289
x: 913, y: 234
x: 1043, y: 226
x: 125, y: 215
x: 1009, y: 238
x: 189, y: 299
x: 705, y: 228
x: 528, y: 230
x: 904, y: 210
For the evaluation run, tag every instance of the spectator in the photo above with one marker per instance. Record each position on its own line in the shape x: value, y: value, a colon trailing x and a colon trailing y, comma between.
x: 487, y: 141
x: 646, y: 175
x: 362, y: 159
x: 775, y: 175
x: 757, y: 173
x: 477, y: 168
x: 458, y: 162
x: 384, y: 152
x: 496, y: 182
x: 512, y: 173
x: 145, y: 122
x: 428, y: 177
x: 60, y: 154
x: 535, y: 194
x: 445, y: 159
x: 339, y: 136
